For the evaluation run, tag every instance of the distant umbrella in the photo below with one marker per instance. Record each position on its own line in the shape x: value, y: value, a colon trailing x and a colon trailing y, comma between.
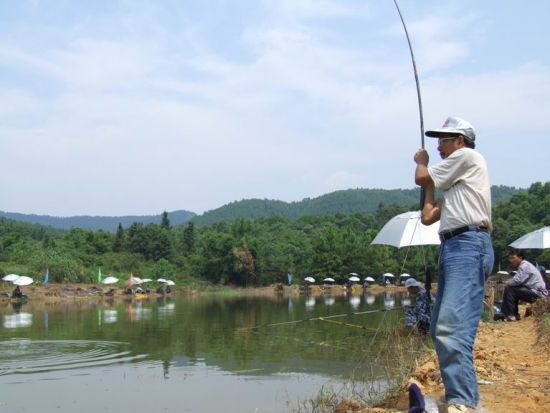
x: 10, y: 277
x: 309, y: 279
x: 354, y: 279
x: 405, y: 275
x: 146, y: 280
x: 109, y: 280
x: 388, y: 275
x: 329, y: 280
x: 161, y: 280
x: 134, y: 281
x: 503, y: 273
x: 170, y: 282
x: 369, y: 279
x: 354, y: 274
x: 23, y: 280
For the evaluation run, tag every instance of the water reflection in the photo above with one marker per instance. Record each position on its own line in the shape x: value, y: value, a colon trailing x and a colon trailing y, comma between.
x: 310, y: 303
x: 389, y: 300
x: 355, y: 302
x: 110, y: 316
x: 17, y: 320
x: 329, y: 300
x: 370, y: 299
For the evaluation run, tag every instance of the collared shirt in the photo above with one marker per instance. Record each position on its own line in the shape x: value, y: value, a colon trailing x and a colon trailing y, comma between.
x: 422, y: 310
x: 464, y: 179
x: 528, y: 276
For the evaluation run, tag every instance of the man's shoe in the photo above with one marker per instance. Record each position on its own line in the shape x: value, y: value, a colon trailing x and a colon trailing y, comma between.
x: 452, y: 408
x: 510, y: 318
x: 456, y: 408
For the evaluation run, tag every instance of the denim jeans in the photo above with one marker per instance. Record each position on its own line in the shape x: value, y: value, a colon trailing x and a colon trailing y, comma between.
x: 465, y: 262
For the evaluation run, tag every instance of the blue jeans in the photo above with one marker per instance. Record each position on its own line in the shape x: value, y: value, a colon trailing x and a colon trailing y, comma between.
x: 465, y: 262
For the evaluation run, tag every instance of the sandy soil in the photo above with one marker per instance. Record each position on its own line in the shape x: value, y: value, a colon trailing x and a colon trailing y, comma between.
x: 509, y: 358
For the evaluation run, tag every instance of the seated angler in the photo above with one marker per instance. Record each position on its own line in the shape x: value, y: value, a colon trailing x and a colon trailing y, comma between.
x: 526, y: 285
x: 419, y: 315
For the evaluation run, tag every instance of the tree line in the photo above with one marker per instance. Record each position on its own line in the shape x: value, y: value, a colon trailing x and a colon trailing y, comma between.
x: 249, y: 252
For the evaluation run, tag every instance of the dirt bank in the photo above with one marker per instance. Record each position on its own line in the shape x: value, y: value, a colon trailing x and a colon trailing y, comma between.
x: 511, y: 361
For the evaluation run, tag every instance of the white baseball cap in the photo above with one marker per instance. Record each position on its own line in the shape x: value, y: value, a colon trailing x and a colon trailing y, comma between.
x: 411, y: 282
x: 454, y: 126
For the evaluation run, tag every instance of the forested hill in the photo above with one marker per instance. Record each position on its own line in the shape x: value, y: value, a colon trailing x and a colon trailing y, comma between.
x: 95, y: 223
x: 348, y: 201
x: 344, y: 202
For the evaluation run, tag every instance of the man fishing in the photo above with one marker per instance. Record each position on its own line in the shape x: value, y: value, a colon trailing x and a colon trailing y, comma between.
x: 466, y: 253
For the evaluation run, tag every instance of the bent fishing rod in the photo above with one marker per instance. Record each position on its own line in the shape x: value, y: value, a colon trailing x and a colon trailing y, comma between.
x: 420, y: 111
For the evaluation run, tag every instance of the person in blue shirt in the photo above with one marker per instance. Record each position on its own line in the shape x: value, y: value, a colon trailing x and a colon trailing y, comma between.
x: 420, y: 314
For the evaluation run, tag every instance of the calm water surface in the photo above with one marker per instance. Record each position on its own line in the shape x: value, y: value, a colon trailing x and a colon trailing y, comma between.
x: 181, y: 354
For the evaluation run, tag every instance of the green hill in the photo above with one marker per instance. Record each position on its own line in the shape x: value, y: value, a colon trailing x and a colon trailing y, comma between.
x: 347, y: 201
x: 96, y: 223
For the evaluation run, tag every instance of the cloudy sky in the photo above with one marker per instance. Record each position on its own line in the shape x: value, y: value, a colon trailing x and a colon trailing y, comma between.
x: 135, y: 107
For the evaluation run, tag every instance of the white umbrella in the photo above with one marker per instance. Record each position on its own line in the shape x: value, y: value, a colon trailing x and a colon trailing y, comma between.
x: 309, y: 279
x: 109, y: 280
x: 369, y: 279
x: 539, y: 239
x: 329, y: 280
x: 405, y: 230
x: 354, y: 274
x: 10, y: 277
x: 388, y: 275
x: 23, y: 280
x: 503, y: 273
x: 405, y: 275
x: 146, y: 280
x: 161, y: 280
x: 170, y: 282
x: 354, y: 279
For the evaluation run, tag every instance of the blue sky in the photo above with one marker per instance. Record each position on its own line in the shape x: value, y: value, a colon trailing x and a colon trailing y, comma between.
x: 135, y: 107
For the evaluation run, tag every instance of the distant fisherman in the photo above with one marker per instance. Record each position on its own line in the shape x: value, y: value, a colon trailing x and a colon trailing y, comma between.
x: 466, y: 253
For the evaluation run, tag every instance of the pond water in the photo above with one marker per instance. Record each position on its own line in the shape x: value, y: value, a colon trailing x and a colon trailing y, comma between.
x: 182, y: 354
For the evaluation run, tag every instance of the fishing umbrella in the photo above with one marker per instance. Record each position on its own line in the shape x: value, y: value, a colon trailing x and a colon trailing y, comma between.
x: 23, y: 280
x: 134, y: 281
x: 503, y: 273
x: 354, y: 274
x: 161, y: 280
x: 388, y: 275
x: 369, y: 279
x: 405, y: 230
x: 146, y: 280
x: 405, y: 275
x: 354, y: 279
x: 109, y: 280
x: 170, y: 282
x: 10, y: 277
x: 309, y: 279
x: 329, y: 280
x: 539, y: 239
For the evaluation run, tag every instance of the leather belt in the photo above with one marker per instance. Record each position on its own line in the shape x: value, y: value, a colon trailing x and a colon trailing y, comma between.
x: 446, y: 235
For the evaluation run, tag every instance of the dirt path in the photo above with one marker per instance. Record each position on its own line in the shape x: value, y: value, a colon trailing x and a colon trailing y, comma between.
x: 508, y: 356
